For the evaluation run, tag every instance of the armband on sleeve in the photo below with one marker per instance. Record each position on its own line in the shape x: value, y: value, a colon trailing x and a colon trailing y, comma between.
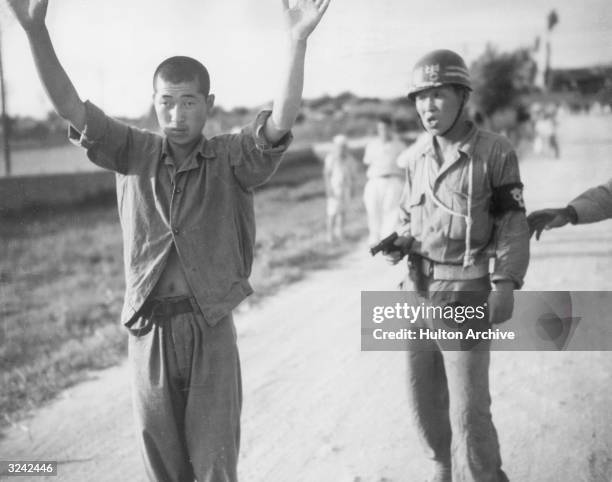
x: 507, y: 197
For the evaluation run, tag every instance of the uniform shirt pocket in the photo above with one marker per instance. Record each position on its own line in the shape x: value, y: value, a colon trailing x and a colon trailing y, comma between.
x: 480, y: 217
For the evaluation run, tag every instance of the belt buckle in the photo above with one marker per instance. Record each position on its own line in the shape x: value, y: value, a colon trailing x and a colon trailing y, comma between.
x: 161, y: 307
x: 177, y: 305
x: 147, y: 308
x: 158, y: 307
x: 428, y: 267
x: 166, y: 307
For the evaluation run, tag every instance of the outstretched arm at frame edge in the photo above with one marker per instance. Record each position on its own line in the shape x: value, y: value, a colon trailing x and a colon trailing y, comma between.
x: 301, y: 19
x: 31, y: 15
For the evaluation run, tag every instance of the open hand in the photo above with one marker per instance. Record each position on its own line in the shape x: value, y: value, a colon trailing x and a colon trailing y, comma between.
x: 547, y: 219
x: 304, y: 16
x: 29, y: 13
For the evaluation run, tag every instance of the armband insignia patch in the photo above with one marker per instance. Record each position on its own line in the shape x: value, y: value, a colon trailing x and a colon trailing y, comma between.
x: 508, y: 197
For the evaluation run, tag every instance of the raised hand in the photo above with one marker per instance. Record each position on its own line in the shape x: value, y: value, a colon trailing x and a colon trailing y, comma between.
x: 64, y: 97
x: 30, y: 13
x: 303, y: 16
x: 547, y: 219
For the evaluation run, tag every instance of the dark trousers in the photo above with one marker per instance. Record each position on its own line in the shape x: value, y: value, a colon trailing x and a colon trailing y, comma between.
x: 186, y: 396
x: 449, y: 395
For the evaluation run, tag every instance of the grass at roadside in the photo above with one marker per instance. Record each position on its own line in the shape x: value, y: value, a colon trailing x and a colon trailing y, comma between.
x: 61, y: 285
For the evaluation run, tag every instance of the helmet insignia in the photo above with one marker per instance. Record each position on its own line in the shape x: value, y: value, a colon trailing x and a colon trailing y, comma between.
x: 431, y: 73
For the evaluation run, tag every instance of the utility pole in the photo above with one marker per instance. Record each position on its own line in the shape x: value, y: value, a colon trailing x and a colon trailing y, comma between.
x: 552, y: 20
x: 6, y: 128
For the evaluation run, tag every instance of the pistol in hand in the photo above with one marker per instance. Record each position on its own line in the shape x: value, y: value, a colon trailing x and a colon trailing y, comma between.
x: 387, y: 245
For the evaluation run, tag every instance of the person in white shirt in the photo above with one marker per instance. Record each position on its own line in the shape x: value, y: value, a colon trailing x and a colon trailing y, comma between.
x: 339, y: 174
x: 385, y: 183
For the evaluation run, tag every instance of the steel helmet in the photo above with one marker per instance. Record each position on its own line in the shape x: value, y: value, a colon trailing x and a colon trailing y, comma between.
x: 438, y: 68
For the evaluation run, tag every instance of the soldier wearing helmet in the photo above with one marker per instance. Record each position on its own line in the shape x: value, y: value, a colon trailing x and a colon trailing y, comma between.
x: 462, y: 205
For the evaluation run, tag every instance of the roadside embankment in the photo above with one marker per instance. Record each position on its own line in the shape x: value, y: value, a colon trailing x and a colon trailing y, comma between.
x: 50, y: 189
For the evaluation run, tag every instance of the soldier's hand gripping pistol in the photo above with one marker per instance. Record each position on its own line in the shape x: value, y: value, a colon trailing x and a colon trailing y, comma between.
x: 388, y: 245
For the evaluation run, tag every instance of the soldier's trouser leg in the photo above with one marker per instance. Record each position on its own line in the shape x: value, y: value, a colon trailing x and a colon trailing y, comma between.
x: 450, y: 395
x: 187, y: 397
x: 475, y: 447
x: 450, y: 401
x: 428, y: 395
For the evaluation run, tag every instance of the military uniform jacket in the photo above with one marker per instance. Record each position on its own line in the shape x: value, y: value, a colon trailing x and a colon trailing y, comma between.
x: 436, y: 204
x: 204, y: 209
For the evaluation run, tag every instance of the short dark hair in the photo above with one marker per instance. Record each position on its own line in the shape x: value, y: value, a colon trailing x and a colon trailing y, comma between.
x: 183, y: 69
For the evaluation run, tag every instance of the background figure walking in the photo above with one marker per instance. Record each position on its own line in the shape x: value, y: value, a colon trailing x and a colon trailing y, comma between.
x: 383, y: 189
x: 339, y: 175
x: 545, y: 142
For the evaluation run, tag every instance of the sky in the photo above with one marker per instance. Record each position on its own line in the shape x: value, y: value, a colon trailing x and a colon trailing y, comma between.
x: 110, y: 48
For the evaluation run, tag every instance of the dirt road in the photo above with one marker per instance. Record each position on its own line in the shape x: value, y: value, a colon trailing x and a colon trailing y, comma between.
x: 317, y: 409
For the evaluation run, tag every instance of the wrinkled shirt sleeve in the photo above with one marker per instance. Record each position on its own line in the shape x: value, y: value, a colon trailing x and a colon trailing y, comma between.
x: 109, y: 142
x: 253, y: 158
x: 511, y: 228
x: 594, y: 204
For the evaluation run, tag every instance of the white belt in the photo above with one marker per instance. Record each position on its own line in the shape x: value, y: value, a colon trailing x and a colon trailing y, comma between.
x: 453, y: 271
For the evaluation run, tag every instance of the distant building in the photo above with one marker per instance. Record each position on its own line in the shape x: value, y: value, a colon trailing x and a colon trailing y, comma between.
x: 587, y: 81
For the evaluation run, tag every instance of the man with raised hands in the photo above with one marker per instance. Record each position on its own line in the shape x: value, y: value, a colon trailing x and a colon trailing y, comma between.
x: 186, y: 211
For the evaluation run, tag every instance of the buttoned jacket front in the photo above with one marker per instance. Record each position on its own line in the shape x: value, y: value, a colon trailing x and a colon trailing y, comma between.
x: 205, y: 208
x: 489, y: 161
